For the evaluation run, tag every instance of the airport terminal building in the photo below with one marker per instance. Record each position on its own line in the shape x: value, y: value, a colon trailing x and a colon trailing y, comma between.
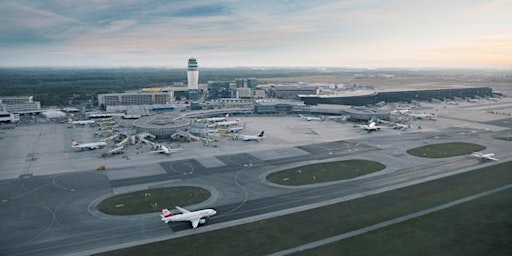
x: 19, y: 105
x: 163, y: 125
x: 370, y: 97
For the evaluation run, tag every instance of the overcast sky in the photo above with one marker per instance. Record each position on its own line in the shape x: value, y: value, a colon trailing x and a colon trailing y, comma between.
x: 229, y: 33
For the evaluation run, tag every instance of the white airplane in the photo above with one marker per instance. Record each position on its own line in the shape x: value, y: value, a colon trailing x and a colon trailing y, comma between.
x: 342, y: 118
x: 159, y: 148
x: 223, y: 124
x: 258, y: 137
x: 214, y: 119
x: 422, y: 116
x: 81, y: 122
x: 401, y: 111
x: 91, y: 145
x: 195, y: 217
x: 311, y: 118
x: 489, y: 156
x: 401, y: 126
x: 236, y: 129
x: 372, y: 126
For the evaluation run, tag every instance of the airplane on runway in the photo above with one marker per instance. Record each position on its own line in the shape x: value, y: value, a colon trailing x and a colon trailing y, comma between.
x: 91, y: 145
x: 195, y: 217
x: 489, y: 156
x: 258, y: 137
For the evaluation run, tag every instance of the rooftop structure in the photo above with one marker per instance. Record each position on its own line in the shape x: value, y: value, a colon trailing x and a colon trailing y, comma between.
x: 368, y: 97
x: 162, y: 125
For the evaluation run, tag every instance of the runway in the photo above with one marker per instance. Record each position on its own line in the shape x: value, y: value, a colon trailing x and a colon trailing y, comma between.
x: 55, y: 214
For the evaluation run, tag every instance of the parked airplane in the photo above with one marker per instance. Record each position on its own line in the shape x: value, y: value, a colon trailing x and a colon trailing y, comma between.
x: 401, y: 111
x: 401, y: 126
x: 258, y: 137
x: 223, y: 124
x: 422, y: 116
x: 341, y: 118
x: 159, y: 148
x: 91, y: 145
x: 213, y: 119
x: 195, y: 217
x: 372, y: 126
x: 311, y: 118
x: 236, y: 129
x: 489, y: 156
x: 81, y: 122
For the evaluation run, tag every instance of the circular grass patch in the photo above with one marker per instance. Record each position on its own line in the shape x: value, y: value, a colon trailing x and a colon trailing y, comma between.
x: 325, y: 172
x: 445, y: 150
x: 152, y: 200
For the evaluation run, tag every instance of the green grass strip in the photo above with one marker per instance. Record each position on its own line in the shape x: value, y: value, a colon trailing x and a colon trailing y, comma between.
x: 325, y: 172
x: 445, y: 150
x: 152, y: 200
x: 276, y: 234
x: 479, y: 227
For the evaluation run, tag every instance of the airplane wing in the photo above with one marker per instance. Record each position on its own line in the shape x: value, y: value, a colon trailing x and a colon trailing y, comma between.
x: 195, y: 222
x: 182, y: 210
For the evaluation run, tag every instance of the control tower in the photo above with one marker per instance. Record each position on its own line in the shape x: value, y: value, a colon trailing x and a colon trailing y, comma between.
x: 192, y: 75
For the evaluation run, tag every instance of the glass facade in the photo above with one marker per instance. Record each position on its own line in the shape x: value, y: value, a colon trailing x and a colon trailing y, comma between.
x: 192, y: 64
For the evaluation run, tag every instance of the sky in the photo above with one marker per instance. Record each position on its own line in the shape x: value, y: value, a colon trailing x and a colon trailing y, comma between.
x: 229, y: 33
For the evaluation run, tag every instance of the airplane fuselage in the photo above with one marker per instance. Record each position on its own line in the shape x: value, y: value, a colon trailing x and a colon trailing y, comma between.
x: 195, y: 217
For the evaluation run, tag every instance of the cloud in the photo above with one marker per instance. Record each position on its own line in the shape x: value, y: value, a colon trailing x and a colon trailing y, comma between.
x: 289, y: 32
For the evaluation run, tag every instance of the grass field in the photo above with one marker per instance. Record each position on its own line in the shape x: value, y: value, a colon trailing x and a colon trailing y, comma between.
x: 479, y: 227
x: 325, y: 172
x: 445, y: 150
x: 152, y: 200
x: 505, y: 138
x: 292, y: 230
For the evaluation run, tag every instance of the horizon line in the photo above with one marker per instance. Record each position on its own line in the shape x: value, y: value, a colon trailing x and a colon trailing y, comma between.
x: 256, y: 67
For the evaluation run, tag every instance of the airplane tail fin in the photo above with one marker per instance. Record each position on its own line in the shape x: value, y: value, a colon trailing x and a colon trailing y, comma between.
x: 74, y: 143
x: 261, y: 134
x: 165, y: 214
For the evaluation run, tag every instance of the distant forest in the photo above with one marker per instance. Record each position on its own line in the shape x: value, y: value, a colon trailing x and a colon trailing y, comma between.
x: 65, y: 87
x: 73, y: 87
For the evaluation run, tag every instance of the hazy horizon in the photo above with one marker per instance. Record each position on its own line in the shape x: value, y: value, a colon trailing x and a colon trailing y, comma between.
x: 463, y: 34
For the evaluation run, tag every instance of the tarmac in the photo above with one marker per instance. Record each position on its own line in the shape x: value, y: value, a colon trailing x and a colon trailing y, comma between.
x: 49, y: 190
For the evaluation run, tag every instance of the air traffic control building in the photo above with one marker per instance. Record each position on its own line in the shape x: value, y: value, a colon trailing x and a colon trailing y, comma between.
x: 369, y: 97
